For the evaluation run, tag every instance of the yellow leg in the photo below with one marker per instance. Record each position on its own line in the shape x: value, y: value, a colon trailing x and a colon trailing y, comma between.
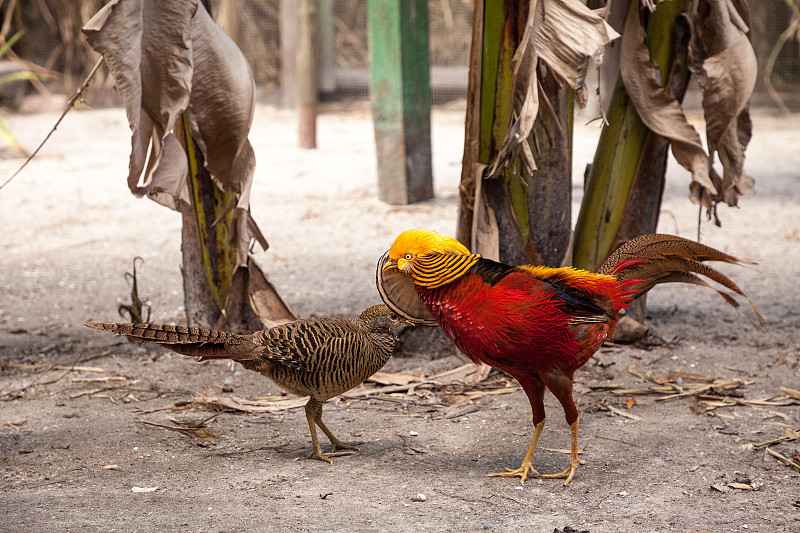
x: 527, y: 464
x: 569, y: 472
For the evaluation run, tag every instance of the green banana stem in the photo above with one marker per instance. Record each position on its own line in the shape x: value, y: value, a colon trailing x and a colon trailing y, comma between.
x: 618, y: 154
x: 211, y: 204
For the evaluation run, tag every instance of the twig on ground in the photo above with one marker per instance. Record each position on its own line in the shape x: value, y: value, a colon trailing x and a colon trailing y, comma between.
x: 605, y: 406
x: 782, y: 458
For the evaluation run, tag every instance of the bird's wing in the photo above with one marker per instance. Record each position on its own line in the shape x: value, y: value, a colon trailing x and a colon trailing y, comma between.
x: 308, y: 345
x: 579, y: 294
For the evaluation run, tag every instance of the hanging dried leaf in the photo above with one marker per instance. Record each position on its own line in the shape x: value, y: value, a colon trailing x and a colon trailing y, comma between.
x: 168, y: 57
x: 170, y: 60
x: 568, y: 35
x: 121, y: 32
x: 657, y: 109
x: 725, y: 64
x: 565, y: 35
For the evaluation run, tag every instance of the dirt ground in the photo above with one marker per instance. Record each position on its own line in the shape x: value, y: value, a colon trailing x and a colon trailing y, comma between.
x: 73, y: 229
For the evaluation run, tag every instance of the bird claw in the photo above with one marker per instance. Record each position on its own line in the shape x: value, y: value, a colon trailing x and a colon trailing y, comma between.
x: 326, y: 457
x: 339, y: 445
x: 521, y: 472
x: 568, y: 473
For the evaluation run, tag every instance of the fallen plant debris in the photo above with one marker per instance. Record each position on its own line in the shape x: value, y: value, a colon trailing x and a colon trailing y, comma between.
x: 212, y: 402
x: 136, y: 307
x: 568, y: 529
x: 85, y: 393
x: 605, y: 406
x: 123, y: 395
x: 44, y: 368
x: 792, y: 393
x: 789, y: 435
x: 16, y: 425
x: 710, y: 392
x: 457, y: 385
x: 719, y: 487
x: 47, y: 368
x: 782, y: 458
x: 709, y: 402
x: 561, y: 450
x: 453, y: 390
x: 99, y: 380
x: 194, y: 428
x: 679, y: 384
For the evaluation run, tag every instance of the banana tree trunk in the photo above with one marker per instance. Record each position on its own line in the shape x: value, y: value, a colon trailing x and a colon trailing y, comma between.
x: 626, y: 180
x: 518, y: 216
x: 209, y: 254
x: 644, y: 200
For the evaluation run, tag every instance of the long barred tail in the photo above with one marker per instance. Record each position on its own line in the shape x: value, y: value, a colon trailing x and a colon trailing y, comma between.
x: 196, y: 342
x: 652, y: 259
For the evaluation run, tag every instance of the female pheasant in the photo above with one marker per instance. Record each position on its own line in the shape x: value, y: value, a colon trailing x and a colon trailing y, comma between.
x: 319, y: 357
x: 538, y: 324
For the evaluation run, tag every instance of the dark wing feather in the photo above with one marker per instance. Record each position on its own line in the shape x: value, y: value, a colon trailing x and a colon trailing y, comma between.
x: 491, y: 271
x: 305, y: 344
x: 576, y: 300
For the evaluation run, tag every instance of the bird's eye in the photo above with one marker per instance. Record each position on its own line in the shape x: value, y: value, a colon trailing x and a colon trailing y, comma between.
x: 407, y: 257
x: 394, y: 316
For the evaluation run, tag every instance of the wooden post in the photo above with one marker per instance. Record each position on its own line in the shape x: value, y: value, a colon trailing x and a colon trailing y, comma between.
x: 326, y: 47
x: 306, y: 73
x: 401, y: 99
x: 288, y: 30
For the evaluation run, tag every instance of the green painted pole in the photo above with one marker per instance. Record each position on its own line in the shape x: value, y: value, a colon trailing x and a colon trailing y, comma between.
x: 401, y: 99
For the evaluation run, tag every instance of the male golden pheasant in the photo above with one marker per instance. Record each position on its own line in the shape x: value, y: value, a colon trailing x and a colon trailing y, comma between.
x: 537, y: 324
x: 319, y: 357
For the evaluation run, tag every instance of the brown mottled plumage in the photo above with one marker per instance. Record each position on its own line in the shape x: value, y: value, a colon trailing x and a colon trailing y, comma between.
x: 319, y: 357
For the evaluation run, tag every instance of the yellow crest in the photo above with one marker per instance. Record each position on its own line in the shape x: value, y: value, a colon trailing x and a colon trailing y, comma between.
x: 430, y: 258
x: 419, y: 241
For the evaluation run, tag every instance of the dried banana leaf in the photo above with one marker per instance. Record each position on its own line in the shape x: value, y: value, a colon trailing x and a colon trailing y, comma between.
x: 189, y: 96
x: 565, y: 35
x: 724, y: 62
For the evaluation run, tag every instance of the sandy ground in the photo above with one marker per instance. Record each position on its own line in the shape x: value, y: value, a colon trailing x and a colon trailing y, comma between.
x: 73, y: 229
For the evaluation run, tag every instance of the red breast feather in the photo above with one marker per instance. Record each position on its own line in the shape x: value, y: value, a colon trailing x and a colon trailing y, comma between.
x: 503, y: 325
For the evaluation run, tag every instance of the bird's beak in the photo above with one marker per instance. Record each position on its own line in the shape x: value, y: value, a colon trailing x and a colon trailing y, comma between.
x: 401, y: 326
x: 390, y: 264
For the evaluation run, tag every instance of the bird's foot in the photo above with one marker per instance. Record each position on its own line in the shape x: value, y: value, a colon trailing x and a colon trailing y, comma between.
x: 568, y: 473
x: 339, y: 445
x: 327, y: 456
x: 521, y: 472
